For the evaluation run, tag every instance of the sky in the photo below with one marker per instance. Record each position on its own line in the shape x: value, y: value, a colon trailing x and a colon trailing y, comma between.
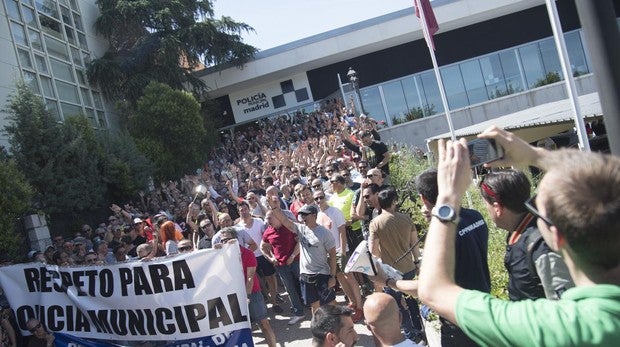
x: 278, y: 22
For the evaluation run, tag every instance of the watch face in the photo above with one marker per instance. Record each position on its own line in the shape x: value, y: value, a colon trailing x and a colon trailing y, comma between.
x: 445, y: 212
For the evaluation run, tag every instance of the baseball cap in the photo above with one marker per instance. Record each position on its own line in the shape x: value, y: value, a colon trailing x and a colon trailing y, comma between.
x: 308, y: 209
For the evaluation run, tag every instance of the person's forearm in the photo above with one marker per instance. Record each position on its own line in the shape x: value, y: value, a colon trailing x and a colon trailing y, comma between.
x: 332, y: 262
x: 437, y: 288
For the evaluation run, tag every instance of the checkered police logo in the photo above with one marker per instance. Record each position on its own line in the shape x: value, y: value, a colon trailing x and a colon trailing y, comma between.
x: 287, y: 87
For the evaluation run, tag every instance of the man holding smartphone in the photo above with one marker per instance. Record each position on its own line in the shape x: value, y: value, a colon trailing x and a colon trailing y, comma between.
x: 578, y: 212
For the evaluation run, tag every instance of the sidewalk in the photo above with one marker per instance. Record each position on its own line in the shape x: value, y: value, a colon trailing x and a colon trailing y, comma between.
x: 299, y: 334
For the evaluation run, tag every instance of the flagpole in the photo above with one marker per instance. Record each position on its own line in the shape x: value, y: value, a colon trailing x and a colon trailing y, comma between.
x: 571, y: 90
x: 431, y: 50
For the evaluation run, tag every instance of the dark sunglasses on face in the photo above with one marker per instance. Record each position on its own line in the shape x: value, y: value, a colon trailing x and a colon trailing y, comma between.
x: 367, y: 196
x: 186, y: 248
x: 227, y: 239
x: 318, y: 198
x: 530, y: 205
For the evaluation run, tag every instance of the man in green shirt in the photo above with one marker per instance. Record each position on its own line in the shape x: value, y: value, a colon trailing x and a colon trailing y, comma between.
x: 578, y: 211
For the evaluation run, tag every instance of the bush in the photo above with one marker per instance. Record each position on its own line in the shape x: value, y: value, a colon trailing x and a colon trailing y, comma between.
x: 409, y: 162
x: 550, y: 77
x: 16, y: 196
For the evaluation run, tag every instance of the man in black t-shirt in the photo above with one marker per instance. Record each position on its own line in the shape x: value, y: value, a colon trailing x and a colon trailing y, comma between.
x: 471, y: 261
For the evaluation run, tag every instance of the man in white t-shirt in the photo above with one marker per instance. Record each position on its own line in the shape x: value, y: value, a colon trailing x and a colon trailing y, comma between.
x: 255, y: 228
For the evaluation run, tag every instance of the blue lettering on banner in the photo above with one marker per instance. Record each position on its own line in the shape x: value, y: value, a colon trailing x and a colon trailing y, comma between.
x: 236, y: 338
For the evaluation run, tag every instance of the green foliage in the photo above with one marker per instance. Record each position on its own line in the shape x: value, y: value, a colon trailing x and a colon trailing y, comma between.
x: 164, y: 41
x: 498, y: 93
x: 550, y: 77
x: 15, y: 199
x: 71, y: 168
x: 497, y: 246
x: 405, y: 165
x: 415, y: 113
x: 169, y: 129
x: 125, y: 169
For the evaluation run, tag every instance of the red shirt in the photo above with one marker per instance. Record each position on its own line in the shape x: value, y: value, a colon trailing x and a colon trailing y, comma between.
x: 249, y: 260
x: 282, y: 242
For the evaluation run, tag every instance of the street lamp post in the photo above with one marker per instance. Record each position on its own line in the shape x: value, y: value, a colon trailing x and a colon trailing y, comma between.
x: 355, y: 82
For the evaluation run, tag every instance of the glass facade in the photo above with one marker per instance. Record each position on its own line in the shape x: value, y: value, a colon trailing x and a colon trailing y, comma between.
x: 52, y: 51
x: 474, y: 81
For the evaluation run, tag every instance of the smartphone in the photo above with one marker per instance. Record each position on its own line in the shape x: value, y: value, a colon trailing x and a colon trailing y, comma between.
x: 482, y: 151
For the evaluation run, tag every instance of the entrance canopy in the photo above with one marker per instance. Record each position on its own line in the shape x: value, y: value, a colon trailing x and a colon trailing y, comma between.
x: 534, y: 123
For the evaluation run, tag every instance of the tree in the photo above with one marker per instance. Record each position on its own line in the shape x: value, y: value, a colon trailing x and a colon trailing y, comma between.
x: 56, y: 159
x: 164, y: 41
x: 125, y: 169
x: 169, y: 130
x: 15, y: 199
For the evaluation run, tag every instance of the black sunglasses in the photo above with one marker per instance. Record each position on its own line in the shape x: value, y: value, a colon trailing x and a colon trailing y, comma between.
x: 319, y: 198
x: 186, y: 248
x: 227, y: 239
x: 530, y: 205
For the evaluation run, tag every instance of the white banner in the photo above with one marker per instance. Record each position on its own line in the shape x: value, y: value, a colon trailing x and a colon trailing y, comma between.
x: 187, y: 296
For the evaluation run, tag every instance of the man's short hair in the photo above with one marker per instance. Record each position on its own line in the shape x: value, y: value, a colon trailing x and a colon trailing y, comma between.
x: 510, y: 188
x: 582, y: 192
x: 327, y: 319
x: 387, y: 197
x: 339, y: 178
x: 426, y: 185
x: 232, y: 231
x: 374, y: 188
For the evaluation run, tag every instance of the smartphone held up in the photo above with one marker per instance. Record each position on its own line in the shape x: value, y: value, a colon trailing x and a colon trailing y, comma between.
x: 482, y: 151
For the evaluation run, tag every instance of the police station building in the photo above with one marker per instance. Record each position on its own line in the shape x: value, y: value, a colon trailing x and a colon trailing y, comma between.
x: 497, y: 59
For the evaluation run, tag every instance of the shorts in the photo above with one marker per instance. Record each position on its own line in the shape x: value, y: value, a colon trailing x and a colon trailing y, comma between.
x: 341, y: 261
x: 264, y: 267
x: 258, y: 309
x: 316, y: 288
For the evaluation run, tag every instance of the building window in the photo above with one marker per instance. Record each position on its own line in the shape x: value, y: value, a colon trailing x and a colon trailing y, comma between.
x: 41, y: 64
x: 47, y: 7
x: 51, y: 26
x: 532, y: 64
x: 474, y: 82
x: 67, y: 92
x: 373, y: 104
x: 24, y: 58
x: 454, y: 86
x: 56, y: 48
x: 13, y: 10
x: 62, y: 70
x: 29, y: 17
x: 35, y: 39
x: 47, y: 88
x: 19, y: 35
x: 70, y: 110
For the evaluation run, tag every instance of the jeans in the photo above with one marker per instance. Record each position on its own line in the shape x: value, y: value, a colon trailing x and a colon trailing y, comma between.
x: 289, y: 274
x: 411, y: 324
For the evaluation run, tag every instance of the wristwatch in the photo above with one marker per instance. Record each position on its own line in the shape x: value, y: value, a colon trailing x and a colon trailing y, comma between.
x: 445, y: 214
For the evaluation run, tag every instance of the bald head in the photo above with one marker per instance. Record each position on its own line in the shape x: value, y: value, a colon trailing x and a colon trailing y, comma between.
x: 380, y: 308
x: 381, y: 314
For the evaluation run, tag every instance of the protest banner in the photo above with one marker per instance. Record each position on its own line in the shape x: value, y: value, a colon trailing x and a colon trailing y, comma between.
x: 197, y: 298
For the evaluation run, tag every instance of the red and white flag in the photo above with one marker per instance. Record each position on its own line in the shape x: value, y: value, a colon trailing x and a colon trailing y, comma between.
x: 429, y: 22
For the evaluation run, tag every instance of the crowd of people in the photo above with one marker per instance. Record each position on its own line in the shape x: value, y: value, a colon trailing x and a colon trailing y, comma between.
x: 298, y: 195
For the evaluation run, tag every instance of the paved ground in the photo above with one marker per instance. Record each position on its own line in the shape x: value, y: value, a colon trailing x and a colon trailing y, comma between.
x: 299, y: 334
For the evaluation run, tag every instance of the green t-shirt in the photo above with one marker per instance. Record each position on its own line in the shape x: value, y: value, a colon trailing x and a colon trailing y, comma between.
x: 585, y: 316
x: 343, y: 202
